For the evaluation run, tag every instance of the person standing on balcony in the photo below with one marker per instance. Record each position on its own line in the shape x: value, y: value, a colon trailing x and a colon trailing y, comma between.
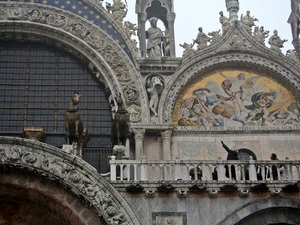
x: 274, y: 169
x: 232, y: 155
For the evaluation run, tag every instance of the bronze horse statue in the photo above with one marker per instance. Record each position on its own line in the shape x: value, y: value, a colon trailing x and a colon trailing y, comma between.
x: 73, y: 124
x: 120, y: 128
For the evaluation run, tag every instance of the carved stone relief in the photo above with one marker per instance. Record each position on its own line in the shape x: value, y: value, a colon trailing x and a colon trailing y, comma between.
x: 36, y: 157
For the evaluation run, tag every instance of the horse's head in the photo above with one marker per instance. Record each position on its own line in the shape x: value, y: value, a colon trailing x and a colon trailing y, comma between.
x: 75, y: 98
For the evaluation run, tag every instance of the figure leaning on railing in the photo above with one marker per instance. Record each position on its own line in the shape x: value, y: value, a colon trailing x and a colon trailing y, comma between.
x: 232, y: 155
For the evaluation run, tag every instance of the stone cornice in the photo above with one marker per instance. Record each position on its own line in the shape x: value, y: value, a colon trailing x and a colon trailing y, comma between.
x: 152, y: 127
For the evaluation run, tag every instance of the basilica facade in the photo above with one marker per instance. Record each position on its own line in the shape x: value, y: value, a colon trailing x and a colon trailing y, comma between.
x: 99, y: 128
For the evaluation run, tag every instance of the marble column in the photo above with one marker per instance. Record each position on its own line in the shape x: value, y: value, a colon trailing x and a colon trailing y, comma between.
x: 139, y: 139
x: 171, y: 19
x: 166, y: 138
x: 142, y: 34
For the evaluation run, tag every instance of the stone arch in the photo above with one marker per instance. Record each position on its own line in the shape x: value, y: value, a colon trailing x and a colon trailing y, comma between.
x: 110, y: 63
x: 80, y: 190
x: 260, y: 211
x: 281, y: 68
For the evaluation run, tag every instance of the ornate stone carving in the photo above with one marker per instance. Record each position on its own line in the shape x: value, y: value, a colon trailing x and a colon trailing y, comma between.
x: 215, y: 36
x: 276, y: 43
x: 238, y: 41
x: 248, y: 21
x: 130, y: 28
x: 118, y: 10
x: 131, y: 94
x: 135, y: 113
x: 260, y: 34
x: 292, y: 53
x: 188, y: 49
x: 15, y: 14
x: 53, y: 164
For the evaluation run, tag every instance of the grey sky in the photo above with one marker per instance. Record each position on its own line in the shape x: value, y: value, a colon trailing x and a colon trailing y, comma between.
x: 191, y: 14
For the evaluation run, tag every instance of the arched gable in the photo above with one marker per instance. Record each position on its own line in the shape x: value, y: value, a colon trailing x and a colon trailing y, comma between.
x: 108, y: 60
x: 249, y: 57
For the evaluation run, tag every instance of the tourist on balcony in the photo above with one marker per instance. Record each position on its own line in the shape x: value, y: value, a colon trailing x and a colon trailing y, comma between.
x: 232, y: 155
x: 274, y: 169
x: 193, y: 175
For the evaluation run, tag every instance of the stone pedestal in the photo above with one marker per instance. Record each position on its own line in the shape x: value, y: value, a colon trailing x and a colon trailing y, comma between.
x: 119, y: 150
x: 34, y: 133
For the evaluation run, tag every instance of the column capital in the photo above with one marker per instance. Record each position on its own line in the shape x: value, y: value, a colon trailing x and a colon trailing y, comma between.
x: 166, y: 134
x: 139, y: 133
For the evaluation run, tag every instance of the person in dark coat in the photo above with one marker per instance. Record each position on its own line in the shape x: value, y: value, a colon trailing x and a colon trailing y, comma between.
x: 232, y: 155
x: 274, y: 168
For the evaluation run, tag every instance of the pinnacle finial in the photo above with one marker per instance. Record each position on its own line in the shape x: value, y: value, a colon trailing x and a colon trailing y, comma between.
x: 233, y: 8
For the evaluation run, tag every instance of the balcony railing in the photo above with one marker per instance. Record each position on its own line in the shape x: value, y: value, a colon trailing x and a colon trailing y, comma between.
x: 206, y: 170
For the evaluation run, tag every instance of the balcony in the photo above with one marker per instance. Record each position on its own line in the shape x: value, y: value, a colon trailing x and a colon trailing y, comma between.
x: 211, y: 175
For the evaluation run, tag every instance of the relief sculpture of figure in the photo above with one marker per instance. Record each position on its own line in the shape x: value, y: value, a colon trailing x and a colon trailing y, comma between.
x: 155, y: 38
x: 276, y: 43
x: 154, y: 89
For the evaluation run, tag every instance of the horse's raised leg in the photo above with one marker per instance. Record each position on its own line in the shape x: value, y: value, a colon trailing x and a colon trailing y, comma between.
x: 76, y: 129
x: 118, y: 133
x: 67, y: 132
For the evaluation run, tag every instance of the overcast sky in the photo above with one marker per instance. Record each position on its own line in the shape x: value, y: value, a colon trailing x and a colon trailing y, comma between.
x: 191, y: 14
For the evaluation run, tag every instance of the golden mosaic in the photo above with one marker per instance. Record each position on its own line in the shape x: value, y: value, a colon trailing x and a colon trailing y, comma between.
x: 234, y: 98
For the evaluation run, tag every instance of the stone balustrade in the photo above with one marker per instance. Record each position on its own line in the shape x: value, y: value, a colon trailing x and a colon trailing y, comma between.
x: 207, y: 170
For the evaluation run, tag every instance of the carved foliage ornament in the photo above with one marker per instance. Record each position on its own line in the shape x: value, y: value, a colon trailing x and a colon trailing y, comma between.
x: 55, y: 168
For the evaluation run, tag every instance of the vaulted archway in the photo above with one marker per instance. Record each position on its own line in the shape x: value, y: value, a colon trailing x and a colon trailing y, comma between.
x: 47, y: 179
x: 262, y: 212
